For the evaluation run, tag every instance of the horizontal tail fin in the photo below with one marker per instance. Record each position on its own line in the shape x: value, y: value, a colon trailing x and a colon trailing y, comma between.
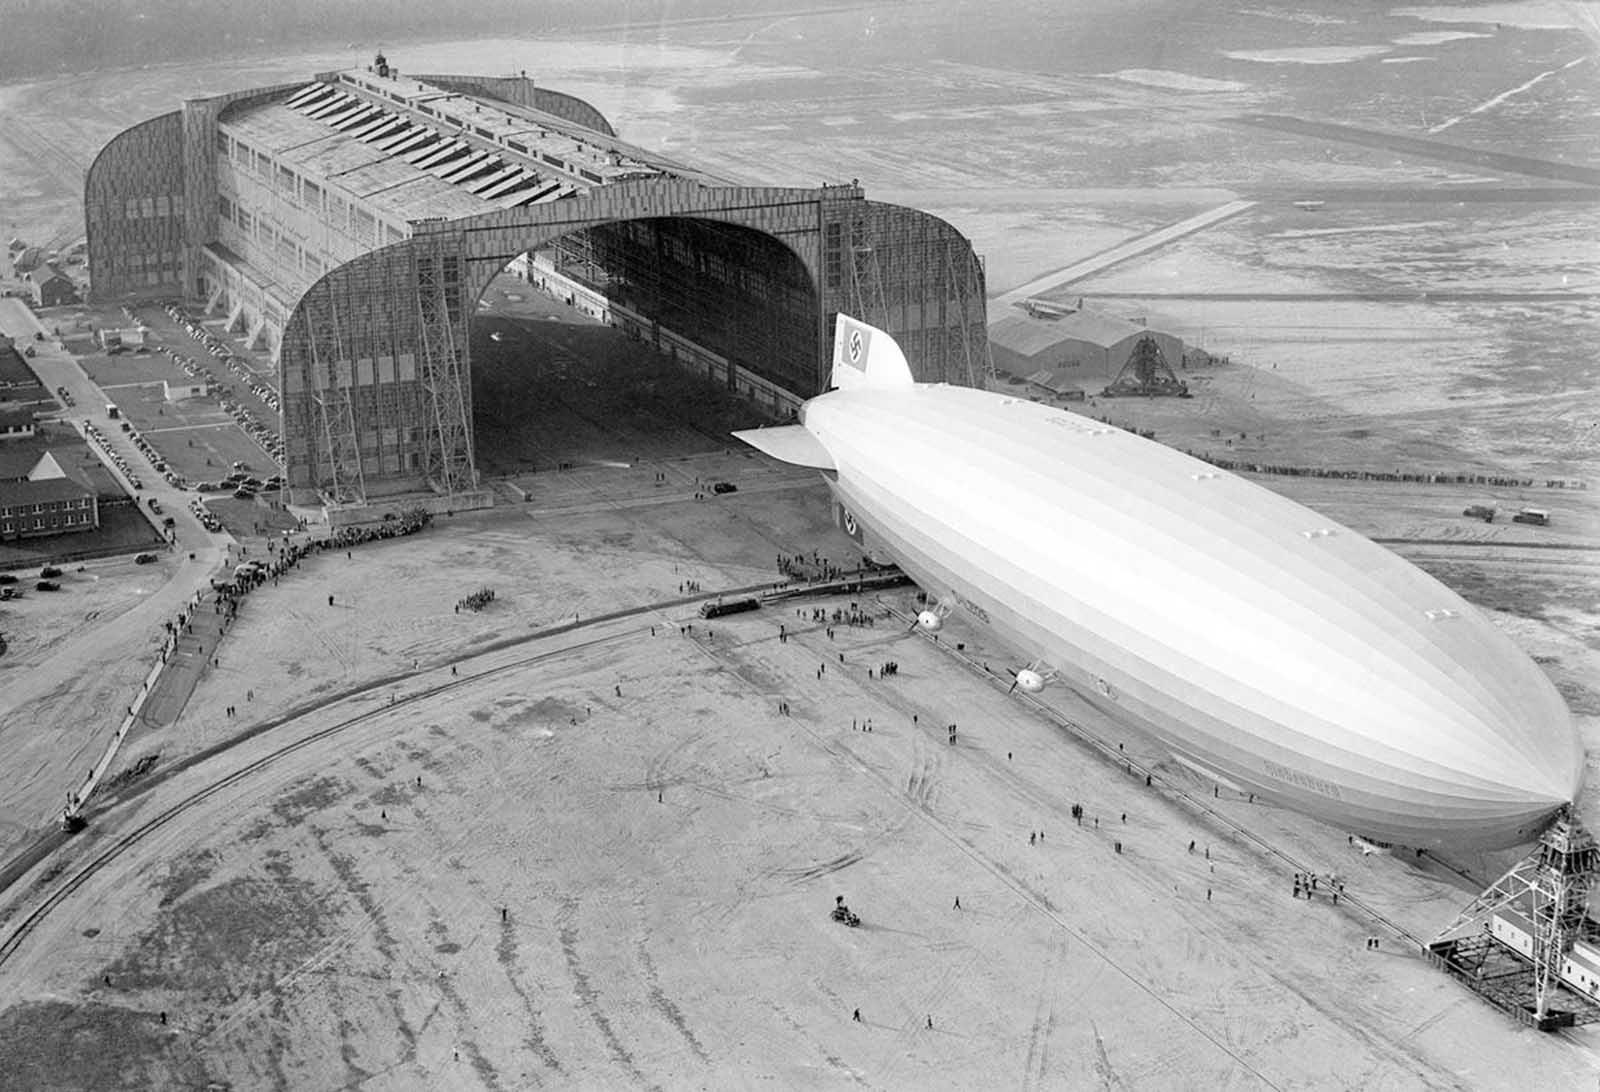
x: 788, y: 443
x: 864, y: 356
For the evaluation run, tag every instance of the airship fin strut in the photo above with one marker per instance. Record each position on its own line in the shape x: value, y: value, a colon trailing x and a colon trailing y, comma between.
x: 865, y: 356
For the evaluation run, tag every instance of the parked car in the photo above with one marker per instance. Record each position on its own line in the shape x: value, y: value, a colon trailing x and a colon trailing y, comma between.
x: 49, y: 571
x: 47, y: 585
x: 144, y: 559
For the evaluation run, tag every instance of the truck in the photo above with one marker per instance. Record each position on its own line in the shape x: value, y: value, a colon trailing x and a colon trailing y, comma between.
x: 1538, y: 517
x: 1484, y: 512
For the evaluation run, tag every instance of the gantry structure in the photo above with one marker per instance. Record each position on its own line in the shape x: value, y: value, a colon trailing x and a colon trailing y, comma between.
x: 350, y: 223
x: 1527, y: 944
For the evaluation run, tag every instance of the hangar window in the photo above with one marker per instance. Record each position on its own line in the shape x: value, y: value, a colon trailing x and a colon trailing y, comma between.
x: 833, y: 255
x: 222, y: 144
x: 225, y: 208
x: 312, y: 194
x: 517, y: 146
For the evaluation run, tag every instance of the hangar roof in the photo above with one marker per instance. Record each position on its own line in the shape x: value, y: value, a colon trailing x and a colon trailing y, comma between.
x: 1027, y: 335
x: 418, y: 151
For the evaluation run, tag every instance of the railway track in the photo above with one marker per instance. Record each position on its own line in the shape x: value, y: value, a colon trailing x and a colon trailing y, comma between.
x: 104, y: 857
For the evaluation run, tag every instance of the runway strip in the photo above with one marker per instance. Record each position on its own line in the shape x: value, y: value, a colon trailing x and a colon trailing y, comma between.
x: 1122, y: 252
x: 1427, y: 149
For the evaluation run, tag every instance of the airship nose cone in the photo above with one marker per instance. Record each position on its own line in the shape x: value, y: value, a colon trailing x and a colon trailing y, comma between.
x: 1545, y: 765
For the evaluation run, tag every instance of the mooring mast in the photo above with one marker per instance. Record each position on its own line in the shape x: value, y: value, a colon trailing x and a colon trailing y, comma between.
x: 1527, y: 944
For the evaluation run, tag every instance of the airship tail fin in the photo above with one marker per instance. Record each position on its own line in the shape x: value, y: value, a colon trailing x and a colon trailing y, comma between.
x: 864, y: 356
x: 789, y: 443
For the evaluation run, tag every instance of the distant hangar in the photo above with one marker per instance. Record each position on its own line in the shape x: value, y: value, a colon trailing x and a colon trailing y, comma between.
x: 350, y: 224
x: 1067, y: 346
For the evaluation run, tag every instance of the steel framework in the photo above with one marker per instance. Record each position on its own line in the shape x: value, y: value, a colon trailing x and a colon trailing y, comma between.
x: 1146, y: 374
x: 345, y: 484
x: 1549, y: 888
x: 437, y: 274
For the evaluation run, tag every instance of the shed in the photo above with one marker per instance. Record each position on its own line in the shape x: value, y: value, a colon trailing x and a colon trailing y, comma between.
x: 16, y: 422
x: 177, y: 392
x: 56, y: 290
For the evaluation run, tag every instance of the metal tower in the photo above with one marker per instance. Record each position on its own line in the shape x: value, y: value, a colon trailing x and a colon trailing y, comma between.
x: 1549, y: 890
x: 1146, y: 373
x: 437, y: 274
x: 334, y: 375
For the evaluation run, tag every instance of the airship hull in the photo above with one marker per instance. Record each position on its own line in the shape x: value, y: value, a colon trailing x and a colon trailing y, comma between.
x: 1387, y: 806
x: 1264, y: 645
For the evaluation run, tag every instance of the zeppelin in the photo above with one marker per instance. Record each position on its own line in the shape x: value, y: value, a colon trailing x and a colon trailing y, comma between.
x: 1270, y: 649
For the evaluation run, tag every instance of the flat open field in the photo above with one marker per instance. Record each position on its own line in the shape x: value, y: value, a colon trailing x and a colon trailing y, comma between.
x: 564, y: 842
x: 666, y: 844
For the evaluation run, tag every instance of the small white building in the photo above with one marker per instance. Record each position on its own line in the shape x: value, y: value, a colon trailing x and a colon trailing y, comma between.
x: 130, y: 338
x: 177, y: 392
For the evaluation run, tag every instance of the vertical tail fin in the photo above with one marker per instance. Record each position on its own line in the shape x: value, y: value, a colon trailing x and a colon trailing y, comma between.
x: 864, y: 356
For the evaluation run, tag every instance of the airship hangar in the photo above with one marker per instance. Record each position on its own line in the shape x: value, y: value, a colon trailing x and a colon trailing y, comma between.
x: 350, y: 223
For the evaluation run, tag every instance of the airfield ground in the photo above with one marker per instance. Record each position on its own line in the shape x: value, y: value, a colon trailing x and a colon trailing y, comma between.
x: 667, y: 858
x: 589, y: 888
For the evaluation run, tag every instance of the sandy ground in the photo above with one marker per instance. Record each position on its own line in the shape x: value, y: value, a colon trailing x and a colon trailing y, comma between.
x: 666, y: 845
x: 590, y: 888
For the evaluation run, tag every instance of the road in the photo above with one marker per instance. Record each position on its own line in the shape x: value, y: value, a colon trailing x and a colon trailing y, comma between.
x: 61, y: 711
x: 1479, y: 158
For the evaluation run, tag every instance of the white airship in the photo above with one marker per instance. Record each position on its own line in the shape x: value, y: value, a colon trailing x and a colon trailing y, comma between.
x: 1269, y: 648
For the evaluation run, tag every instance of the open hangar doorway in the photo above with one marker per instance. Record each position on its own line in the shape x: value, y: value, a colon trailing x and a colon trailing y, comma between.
x: 635, y: 341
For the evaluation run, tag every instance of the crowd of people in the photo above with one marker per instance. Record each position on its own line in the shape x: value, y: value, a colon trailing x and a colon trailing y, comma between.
x: 803, y: 568
x: 1423, y: 477
x: 406, y: 523
x: 476, y: 601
